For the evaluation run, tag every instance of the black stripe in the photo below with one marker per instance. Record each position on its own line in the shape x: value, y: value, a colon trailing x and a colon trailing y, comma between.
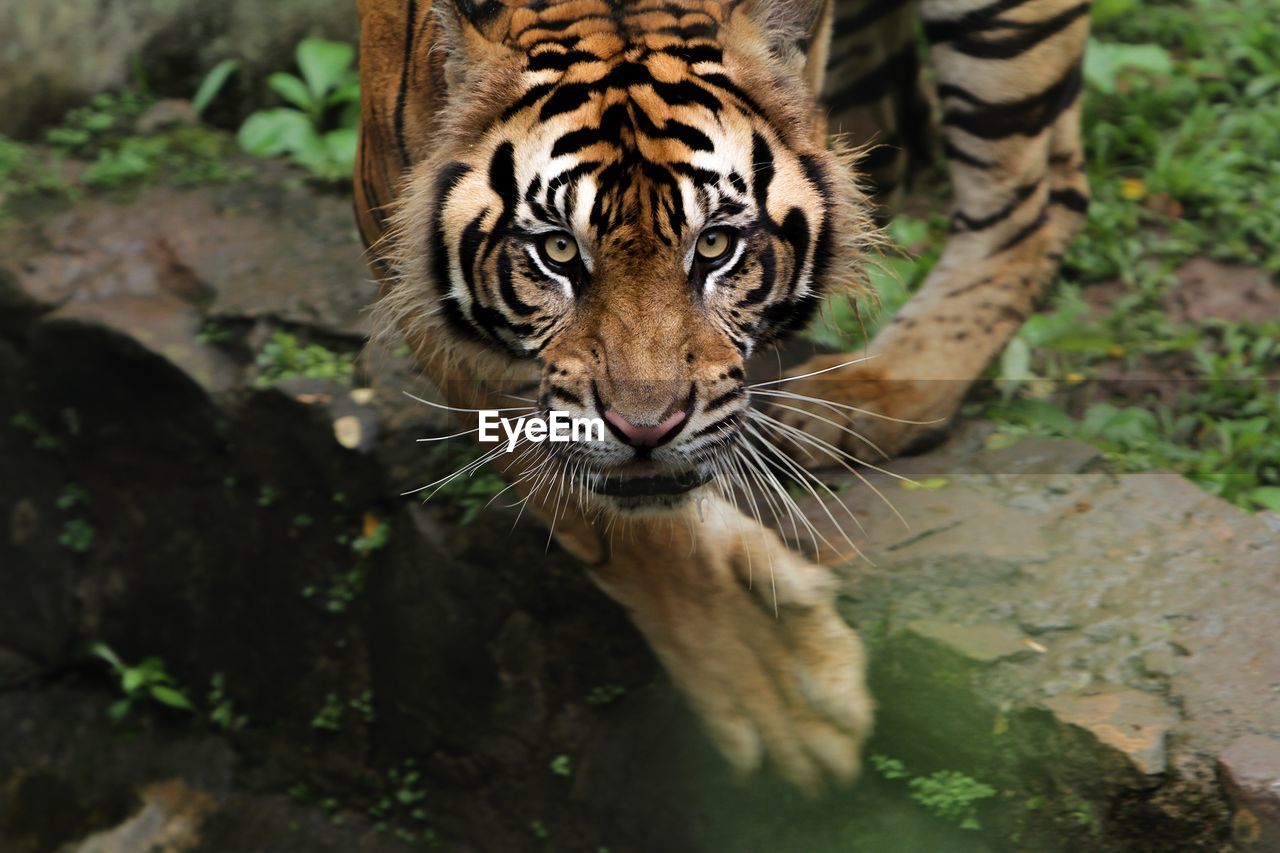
x: 507, y: 289
x: 559, y: 60
x: 1071, y: 199
x: 867, y: 15
x: 576, y: 140
x: 724, y: 399
x: 684, y: 93
x: 1028, y: 116
x: 972, y: 44
x: 1025, y: 231
x: 402, y: 93
x: 961, y: 221
x: 959, y: 155
x: 879, y: 81
x: 565, y: 99
x: 527, y: 100
x: 768, y: 272
x: 695, y: 139
x: 939, y: 30
x: 564, y: 394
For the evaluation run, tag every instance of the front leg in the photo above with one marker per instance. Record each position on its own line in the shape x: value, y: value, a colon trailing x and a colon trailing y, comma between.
x: 749, y: 632
x: 1009, y: 82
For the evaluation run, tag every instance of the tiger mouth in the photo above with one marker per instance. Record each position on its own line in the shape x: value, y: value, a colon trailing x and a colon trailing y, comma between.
x: 655, y: 486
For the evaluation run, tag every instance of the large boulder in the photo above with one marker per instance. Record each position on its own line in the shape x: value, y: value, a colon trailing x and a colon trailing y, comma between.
x: 55, y: 55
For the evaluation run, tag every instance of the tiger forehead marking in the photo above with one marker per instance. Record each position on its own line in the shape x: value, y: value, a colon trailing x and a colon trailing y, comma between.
x: 628, y: 131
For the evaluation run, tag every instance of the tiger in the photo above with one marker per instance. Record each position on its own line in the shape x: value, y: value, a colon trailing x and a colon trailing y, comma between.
x: 615, y: 204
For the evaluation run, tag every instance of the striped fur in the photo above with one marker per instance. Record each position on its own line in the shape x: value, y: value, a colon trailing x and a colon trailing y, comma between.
x: 496, y: 133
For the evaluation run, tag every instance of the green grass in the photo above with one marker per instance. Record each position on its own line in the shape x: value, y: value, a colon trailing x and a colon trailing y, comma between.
x: 1183, y: 160
x: 1182, y: 136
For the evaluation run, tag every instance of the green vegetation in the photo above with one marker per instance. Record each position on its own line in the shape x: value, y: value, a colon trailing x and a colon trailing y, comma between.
x: 77, y: 535
x: 222, y: 711
x: 469, y: 493
x: 329, y: 717
x: 283, y: 356
x: 1182, y: 136
x: 318, y: 130
x: 605, y: 694
x: 561, y: 765
x: 111, y: 134
x: 947, y: 794
x: 147, y: 681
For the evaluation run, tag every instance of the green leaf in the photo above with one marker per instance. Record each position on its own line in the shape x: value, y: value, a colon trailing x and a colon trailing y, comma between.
x: 101, y: 650
x: 294, y: 91
x: 1104, y: 62
x: 272, y: 132
x: 1267, y: 497
x: 118, y: 709
x: 133, y: 678
x: 323, y: 64
x: 171, y: 697
x: 341, y: 147
x: 212, y: 84
x: 347, y: 92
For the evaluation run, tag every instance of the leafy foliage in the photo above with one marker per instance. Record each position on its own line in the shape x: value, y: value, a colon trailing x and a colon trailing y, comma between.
x: 283, y: 356
x: 318, y: 130
x: 947, y: 794
x: 146, y: 681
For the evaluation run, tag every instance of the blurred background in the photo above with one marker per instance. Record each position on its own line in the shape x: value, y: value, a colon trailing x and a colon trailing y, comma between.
x: 223, y: 628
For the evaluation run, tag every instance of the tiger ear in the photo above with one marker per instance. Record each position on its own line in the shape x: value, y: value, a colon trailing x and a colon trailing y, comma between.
x: 797, y: 32
x: 471, y: 35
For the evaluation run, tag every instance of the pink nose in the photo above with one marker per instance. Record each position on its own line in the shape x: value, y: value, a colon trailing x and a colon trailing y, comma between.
x: 644, y: 436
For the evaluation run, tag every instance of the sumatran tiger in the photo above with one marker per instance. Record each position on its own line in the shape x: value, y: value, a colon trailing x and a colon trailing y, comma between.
x: 618, y: 202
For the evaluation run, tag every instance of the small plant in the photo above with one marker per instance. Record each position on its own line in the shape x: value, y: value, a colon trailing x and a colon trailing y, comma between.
x: 72, y: 496
x: 309, y: 131
x: 329, y: 717
x: 147, y: 680
x: 951, y: 796
x: 889, y: 768
x: 561, y: 765
x: 539, y: 830
x: 222, y: 712
x: 947, y: 794
x: 284, y: 357
x: 212, y: 84
x: 76, y: 536
x: 373, y: 536
x: 605, y: 694
x: 363, y: 705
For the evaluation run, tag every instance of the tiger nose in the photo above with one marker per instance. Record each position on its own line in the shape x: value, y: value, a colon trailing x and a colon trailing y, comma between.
x: 638, y: 435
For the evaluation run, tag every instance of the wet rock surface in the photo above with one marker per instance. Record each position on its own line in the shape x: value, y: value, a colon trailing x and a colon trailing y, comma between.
x: 1098, y: 649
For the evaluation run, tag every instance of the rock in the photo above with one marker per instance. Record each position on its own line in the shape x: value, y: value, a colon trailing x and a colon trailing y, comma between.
x: 240, y: 254
x: 979, y: 643
x: 163, y: 325
x: 1250, y: 768
x: 1131, y: 721
x: 56, y: 56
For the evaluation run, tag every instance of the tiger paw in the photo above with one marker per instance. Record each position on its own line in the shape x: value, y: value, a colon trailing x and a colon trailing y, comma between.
x: 749, y: 632
x: 858, y: 410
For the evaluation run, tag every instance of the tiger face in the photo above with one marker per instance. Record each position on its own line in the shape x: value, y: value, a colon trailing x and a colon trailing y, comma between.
x: 635, y: 198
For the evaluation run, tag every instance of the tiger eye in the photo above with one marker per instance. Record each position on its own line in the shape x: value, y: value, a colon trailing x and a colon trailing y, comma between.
x: 560, y: 248
x: 713, y: 243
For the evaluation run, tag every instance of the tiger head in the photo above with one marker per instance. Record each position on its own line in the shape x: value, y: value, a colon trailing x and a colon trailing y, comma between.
x: 634, y: 197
